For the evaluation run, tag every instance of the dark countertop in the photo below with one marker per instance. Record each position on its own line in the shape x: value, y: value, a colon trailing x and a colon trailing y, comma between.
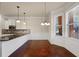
x: 7, y: 37
x: 9, y: 34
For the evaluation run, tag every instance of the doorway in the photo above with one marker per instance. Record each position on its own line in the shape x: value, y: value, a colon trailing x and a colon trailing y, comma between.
x: 59, y: 25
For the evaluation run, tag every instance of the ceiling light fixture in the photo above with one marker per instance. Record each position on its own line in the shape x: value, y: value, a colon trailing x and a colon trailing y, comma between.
x: 45, y: 20
x: 18, y: 21
x: 24, y: 19
x: 24, y: 23
x: 47, y: 24
x: 42, y: 24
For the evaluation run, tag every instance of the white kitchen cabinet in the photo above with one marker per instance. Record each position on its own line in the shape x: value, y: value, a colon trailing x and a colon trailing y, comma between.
x: 9, y: 22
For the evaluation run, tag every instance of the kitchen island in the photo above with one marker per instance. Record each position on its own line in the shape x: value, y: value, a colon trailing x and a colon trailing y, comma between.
x: 9, y: 46
x: 5, y: 37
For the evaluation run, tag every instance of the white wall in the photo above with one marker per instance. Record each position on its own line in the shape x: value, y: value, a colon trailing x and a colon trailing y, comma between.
x: 38, y: 31
x: 52, y: 27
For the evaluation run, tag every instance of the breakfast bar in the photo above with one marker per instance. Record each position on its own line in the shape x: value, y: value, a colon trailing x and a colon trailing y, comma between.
x: 9, y: 46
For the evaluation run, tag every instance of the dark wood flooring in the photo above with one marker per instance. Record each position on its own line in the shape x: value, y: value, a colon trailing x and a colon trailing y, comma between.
x: 41, y: 48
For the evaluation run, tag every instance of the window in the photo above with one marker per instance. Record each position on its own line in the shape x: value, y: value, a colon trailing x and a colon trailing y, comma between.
x: 73, y: 23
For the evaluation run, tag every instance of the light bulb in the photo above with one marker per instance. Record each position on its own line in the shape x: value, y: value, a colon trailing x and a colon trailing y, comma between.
x: 24, y: 23
x: 18, y: 21
x: 42, y: 24
x: 47, y: 24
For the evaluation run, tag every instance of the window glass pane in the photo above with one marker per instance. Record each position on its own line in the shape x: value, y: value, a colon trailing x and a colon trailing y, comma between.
x: 73, y: 24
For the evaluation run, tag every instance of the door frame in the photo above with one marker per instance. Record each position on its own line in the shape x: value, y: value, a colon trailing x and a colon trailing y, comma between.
x: 55, y: 16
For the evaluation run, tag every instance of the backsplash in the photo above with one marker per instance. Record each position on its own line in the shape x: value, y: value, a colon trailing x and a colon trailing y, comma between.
x: 16, y: 31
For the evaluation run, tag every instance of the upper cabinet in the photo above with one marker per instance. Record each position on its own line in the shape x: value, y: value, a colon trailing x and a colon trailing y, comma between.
x: 23, y: 24
x: 9, y: 22
x: 12, y: 22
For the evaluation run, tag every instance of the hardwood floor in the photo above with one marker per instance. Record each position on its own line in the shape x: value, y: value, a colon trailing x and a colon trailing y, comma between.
x: 41, y: 48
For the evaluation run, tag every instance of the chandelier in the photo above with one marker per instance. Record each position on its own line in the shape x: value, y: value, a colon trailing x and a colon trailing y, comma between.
x: 45, y: 22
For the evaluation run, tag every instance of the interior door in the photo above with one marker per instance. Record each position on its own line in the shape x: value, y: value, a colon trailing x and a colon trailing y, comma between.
x: 60, y: 25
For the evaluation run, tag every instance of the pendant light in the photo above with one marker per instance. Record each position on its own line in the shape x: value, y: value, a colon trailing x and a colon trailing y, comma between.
x: 45, y: 22
x: 42, y: 23
x: 18, y: 20
x: 24, y: 19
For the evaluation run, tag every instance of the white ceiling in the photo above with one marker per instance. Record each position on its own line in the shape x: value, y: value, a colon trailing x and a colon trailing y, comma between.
x: 31, y: 8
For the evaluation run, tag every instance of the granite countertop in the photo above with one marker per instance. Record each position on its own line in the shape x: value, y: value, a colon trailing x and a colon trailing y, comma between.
x: 11, y: 34
x: 4, y: 35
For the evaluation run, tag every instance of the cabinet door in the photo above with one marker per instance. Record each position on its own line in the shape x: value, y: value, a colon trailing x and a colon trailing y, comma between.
x: 9, y: 22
